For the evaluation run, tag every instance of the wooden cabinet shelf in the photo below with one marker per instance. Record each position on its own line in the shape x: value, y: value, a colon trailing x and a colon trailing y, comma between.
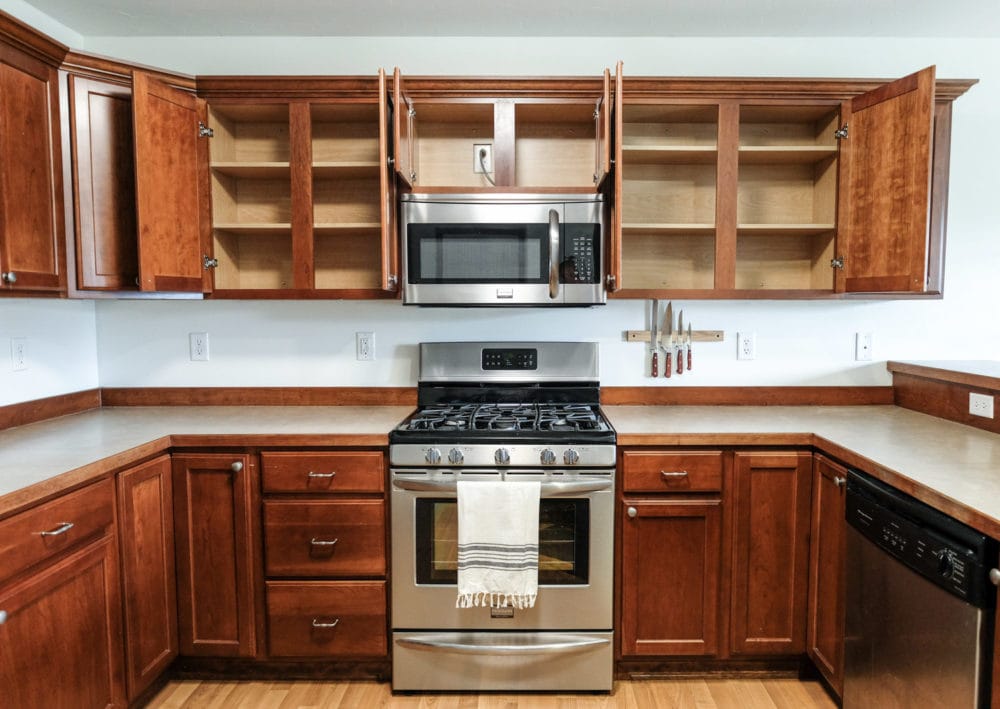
x: 346, y: 168
x: 668, y: 229
x: 784, y: 229
x: 251, y: 229
x: 669, y: 154
x: 781, y: 154
x: 257, y: 170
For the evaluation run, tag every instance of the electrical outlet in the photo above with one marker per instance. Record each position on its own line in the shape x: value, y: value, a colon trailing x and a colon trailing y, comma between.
x: 981, y: 405
x: 482, y: 158
x: 18, y: 353
x: 746, y: 345
x: 863, y: 346
x: 199, y: 346
x: 366, y: 346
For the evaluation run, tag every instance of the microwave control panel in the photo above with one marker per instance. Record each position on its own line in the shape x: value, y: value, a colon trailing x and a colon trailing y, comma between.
x: 580, y: 254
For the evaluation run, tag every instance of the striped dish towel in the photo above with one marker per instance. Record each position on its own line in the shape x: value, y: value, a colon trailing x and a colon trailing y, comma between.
x: 498, y: 544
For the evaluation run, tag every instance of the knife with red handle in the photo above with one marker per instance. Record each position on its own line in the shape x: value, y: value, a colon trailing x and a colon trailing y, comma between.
x: 680, y: 343
x: 655, y: 366
x: 668, y: 348
x: 689, y: 341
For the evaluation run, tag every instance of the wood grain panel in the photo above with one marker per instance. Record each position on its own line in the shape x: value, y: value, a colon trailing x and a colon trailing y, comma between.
x: 947, y: 400
x: 259, y: 396
x: 727, y: 191
x: 982, y: 374
x: 673, y: 471
x: 322, y: 472
x: 746, y: 396
x: 50, y: 407
x: 302, y: 193
x: 387, y: 191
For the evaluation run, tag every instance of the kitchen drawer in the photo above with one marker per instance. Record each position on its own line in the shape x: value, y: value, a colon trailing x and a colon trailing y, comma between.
x: 298, y: 536
x: 342, y: 471
x: 43, y: 532
x: 674, y: 471
x: 326, y: 618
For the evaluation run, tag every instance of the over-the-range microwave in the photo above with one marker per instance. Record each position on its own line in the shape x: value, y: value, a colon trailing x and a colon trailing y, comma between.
x: 503, y: 249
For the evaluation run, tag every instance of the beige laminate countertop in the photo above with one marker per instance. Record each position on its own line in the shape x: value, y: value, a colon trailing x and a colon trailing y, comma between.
x: 951, y: 466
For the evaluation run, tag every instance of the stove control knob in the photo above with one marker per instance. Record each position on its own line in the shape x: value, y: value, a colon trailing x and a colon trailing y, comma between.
x: 432, y: 456
x: 455, y: 456
x: 946, y: 564
x: 571, y: 457
x: 548, y: 456
x: 502, y: 456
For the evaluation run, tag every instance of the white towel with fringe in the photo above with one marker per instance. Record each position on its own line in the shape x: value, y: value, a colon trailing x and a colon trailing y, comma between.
x: 498, y: 544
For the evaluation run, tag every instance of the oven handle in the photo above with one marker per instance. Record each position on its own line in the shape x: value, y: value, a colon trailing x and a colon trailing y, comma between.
x: 564, y: 645
x: 547, y: 489
x: 553, y: 254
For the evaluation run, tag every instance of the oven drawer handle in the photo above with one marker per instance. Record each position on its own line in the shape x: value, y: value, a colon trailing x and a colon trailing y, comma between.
x: 542, y: 647
x: 547, y: 489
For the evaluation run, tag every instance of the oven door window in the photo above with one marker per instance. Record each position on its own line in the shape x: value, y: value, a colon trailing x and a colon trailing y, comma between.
x: 478, y: 253
x: 563, y: 541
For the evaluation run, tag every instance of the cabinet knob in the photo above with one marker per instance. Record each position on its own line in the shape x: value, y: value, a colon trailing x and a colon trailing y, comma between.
x: 9, y: 277
x: 237, y: 466
x: 994, y: 579
x: 632, y: 512
x: 839, y: 481
x: 3, y: 617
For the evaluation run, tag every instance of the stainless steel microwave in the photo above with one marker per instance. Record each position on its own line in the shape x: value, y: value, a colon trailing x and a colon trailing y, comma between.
x: 503, y: 249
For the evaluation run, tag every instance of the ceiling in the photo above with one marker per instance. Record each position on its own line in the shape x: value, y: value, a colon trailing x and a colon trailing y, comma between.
x: 531, y: 18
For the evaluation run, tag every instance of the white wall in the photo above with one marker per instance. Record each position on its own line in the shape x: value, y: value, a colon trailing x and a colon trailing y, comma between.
x: 142, y: 343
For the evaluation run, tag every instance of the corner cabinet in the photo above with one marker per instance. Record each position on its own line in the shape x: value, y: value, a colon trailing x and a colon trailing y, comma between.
x: 780, y: 188
x: 303, y: 200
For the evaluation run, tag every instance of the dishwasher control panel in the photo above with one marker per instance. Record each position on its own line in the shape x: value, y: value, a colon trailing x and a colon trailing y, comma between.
x: 943, y: 550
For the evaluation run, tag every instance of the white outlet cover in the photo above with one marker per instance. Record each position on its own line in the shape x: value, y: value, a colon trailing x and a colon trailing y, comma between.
x: 981, y: 405
x: 198, y: 343
x: 18, y: 354
x: 746, y: 345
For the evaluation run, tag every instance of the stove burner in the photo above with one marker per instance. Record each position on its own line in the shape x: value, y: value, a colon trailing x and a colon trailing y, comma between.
x: 506, y: 417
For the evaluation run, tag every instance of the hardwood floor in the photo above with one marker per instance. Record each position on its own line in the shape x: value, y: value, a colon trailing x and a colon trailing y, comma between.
x: 661, y: 694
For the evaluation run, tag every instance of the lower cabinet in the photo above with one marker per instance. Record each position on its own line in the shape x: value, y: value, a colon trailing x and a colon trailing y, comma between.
x: 214, y: 537
x: 825, y: 629
x: 149, y: 584
x: 771, y: 503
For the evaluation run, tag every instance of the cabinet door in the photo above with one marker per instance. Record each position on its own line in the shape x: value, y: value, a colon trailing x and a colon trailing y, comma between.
x: 602, y: 137
x: 387, y: 185
x: 103, y: 184
x: 403, y: 131
x: 770, y: 552
x: 146, y: 521
x: 670, y: 577
x: 215, y: 559
x: 614, y: 251
x: 825, y: 630
x: 887, y: 187
x: 60, y: 645
x: 171, y: 167
x: 32, y: 250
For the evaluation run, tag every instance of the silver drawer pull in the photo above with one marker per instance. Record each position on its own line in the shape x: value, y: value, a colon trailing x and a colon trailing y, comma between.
x: 323, y: 542
x: 321, y: 475
x: 671, y: 474
x: 318, y: 624
x: 61, y: 529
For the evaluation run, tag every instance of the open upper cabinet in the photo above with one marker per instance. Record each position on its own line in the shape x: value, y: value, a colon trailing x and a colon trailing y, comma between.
x: 470, y: 134
x: 764, y: 190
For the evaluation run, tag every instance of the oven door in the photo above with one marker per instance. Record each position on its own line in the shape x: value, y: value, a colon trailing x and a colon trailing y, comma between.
x: 574, y: 557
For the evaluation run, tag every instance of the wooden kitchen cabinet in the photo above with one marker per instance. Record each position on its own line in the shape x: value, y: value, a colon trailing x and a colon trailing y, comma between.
x: 825, y: 628
x: 771, y: 503
x: 671, y: 553
x: 149, y: 584
x: 60, y: 603
x: 303, y: 203
x: 32, y: 241
x: 215, y: 542
x: 780, y: 188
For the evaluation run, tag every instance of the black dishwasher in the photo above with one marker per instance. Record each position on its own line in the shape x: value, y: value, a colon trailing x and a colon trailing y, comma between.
x: 919, y: 606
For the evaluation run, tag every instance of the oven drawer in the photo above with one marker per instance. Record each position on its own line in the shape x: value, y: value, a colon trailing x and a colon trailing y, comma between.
x: 43, y: 532
x: 674, y: 471
x: 326, y: 618
x: 314, y: 472
x: 324, y: 538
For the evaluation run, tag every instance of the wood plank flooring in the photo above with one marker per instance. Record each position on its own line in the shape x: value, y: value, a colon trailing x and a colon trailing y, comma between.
x: 661, y: 694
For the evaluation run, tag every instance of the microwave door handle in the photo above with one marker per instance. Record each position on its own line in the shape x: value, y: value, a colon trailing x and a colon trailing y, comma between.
x: 553, y: 254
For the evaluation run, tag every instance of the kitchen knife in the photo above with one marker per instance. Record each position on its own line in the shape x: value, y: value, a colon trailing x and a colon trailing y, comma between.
x: 680, y: 343
x: 652, y: 340
x: 668, y: 347
x: 689, y: 346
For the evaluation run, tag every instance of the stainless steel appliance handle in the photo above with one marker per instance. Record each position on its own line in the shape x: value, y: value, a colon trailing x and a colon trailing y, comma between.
x: 543, y: 647
x: 553, y: 254
x: 548, y: 489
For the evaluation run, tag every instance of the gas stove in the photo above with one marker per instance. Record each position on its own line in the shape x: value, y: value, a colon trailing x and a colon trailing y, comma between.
x: 506, y: 404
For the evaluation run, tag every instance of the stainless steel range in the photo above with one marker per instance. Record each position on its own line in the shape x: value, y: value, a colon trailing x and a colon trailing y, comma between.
x: 504, y: 411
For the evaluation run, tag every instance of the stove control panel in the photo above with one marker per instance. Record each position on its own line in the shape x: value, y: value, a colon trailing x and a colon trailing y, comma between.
x: 510, y: 359
x: 508, y: 456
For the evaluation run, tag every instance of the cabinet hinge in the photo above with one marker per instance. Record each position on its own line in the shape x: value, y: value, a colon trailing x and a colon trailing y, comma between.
x: 597, y: 113
x: 841, y: 132
x: 611, y: 281
x: 412, y: 112
x: 204, y: 131
x: 391, y: 282
x: 208, y: 262
x: 837, y: 262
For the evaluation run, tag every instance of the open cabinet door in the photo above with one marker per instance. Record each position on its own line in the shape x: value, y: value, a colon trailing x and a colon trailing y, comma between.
x: 403, y: 116
x: 387, y: 185
x: 169, y: 175
x: 885, y: 196
x: 602, y: 142
x: 614, y: 256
